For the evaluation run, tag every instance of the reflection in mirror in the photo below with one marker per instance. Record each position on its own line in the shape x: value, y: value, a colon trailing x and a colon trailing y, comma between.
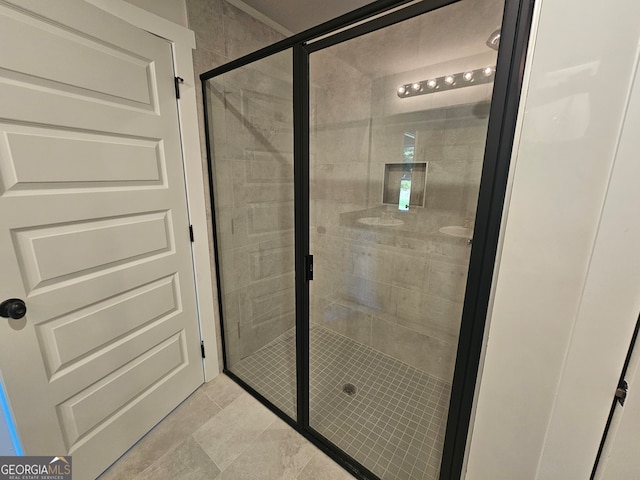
x: 409, y: 147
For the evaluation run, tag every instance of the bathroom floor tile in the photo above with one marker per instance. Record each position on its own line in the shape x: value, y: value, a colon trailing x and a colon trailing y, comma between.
x: 174, y: 429
x: 187, y: 461
x: 321, y: 467
x: 229, y: 433
x: 278, y: 453
x: 394, y: 422
x: 271, y: 371
x: 222, y: 390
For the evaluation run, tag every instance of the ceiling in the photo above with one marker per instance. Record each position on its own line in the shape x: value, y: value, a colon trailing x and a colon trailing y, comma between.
x: 457, y: 31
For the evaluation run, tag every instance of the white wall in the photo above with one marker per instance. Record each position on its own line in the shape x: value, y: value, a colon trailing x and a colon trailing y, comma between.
x: 172, y: 10
x: 9, y: 445
x: 580, y: 75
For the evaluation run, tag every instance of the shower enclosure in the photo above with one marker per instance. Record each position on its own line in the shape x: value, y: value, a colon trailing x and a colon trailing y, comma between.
x: 357, y: 173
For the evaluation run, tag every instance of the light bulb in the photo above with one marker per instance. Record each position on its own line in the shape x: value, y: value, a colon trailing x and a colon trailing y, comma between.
x: 468, y: 76
x: 487, y: 71
x: 402, y: 90
x: 432, y: 83
x: 449, y: 80
x: 416, y: 87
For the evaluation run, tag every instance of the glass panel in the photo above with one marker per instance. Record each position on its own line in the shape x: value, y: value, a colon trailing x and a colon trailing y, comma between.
x: 251, y: 122
x: 398, y: 129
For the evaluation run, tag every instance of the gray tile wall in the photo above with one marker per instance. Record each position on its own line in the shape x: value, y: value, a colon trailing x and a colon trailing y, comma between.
x: 252, y: 153
x: 224, y: 33
x: 398, y: 289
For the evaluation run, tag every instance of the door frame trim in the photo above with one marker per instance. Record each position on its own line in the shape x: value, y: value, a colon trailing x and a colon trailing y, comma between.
x: 182, y: 42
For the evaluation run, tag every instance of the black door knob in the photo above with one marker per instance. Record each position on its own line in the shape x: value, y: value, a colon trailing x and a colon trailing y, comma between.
x: 13, y: 308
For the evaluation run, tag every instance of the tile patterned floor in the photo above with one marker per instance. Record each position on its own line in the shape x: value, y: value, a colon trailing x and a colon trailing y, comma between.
x: 222, y: 433
x: 272, y: 372
x: 394, y: 423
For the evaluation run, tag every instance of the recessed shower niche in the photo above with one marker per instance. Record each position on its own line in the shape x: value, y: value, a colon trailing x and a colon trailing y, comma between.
x: 341, y: 298
x: 404, y: 184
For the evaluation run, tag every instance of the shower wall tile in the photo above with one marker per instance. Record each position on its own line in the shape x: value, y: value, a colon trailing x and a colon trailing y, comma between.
x: 338, y: 84
x: 388, y: 275
x: 323, y: 215
x: 270, y: 218
x: 368, y: 292
x: 468, y: 132
x: 410, y: 271
x: 274, y: 166
x: 266, y: 298
x: 256, y: 337
x: 327, y: 282
x: 321, y: 184
x: 271, y: 262
x: 342, y: 142
x: 328, y: 250
x: 206, y: 19
x: 256, y: 193
x: 224, y: 33
x: 204, y: 60
x: 369, y: 262
x: 346, y: 321
x: 317, y: 306
x: 225, y: 191
x: 454, y: 249
x: 255, y: 219
x: 431, y: 134
x: 427, y: 152
x: 274, y: 307
x: 447, y: 280
x: 420, y: 351
x: 244, y: 34
x: 428, y: 314
x: 473, y: 110
x: 349, y: 184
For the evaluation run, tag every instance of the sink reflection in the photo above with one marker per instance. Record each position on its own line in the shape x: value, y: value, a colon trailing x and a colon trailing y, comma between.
x: 380, y: 221
x: 456, y: 231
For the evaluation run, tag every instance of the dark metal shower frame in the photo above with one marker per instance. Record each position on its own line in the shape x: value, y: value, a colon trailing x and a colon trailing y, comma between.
x: 516, y: 26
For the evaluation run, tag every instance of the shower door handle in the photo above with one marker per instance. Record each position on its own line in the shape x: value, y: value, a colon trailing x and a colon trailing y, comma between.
x: 308, y: 261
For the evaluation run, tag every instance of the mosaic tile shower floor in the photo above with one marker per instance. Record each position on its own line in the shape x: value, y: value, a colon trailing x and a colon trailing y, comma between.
x: 393, y: 424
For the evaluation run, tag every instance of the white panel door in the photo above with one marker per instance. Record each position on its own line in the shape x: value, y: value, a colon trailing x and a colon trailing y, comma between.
x: 93, y: 232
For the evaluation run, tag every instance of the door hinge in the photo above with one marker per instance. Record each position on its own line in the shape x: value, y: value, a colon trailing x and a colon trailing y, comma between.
x: 621, y: 392
x: 177, y: 81
x: 309, y: 267
x: 191, y: 233
x: 202, y: 349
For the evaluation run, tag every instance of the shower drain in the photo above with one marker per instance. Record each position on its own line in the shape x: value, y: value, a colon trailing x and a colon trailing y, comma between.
x: 349, y: 389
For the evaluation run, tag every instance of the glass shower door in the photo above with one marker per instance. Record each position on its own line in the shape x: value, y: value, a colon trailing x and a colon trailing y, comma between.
x: 251, y: 148
x: 397, y: 137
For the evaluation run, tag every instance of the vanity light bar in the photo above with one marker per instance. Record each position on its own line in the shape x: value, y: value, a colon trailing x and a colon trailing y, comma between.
x: 447, y: 82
